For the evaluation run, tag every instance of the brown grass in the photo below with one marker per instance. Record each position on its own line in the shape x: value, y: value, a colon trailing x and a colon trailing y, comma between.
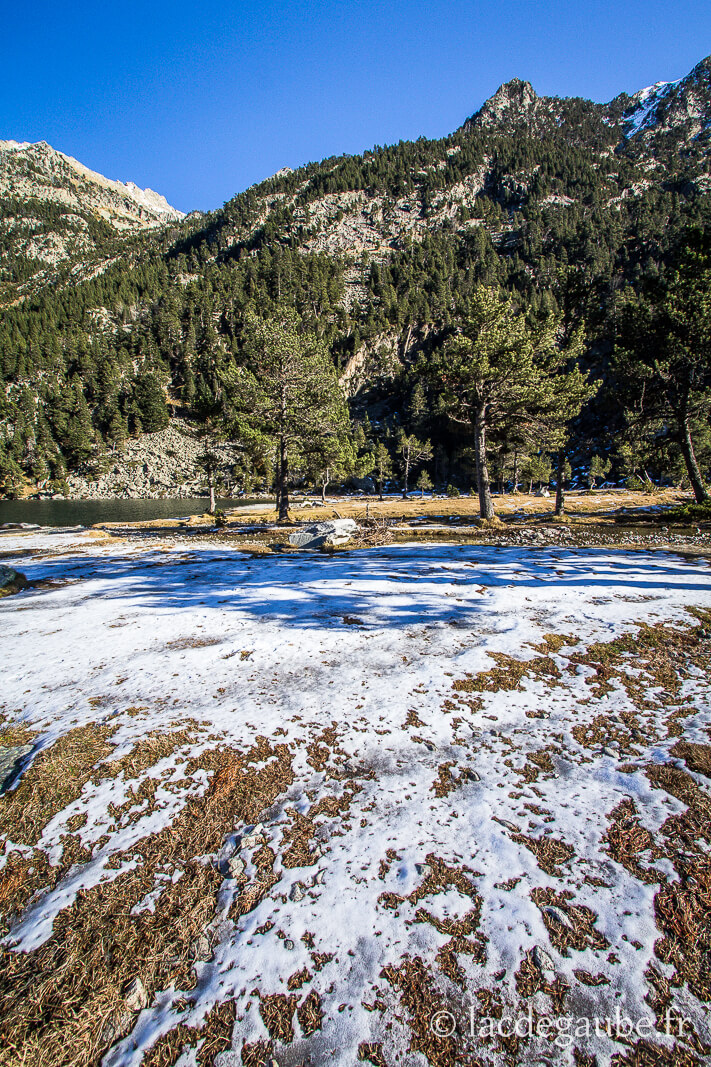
x: 78, y: 976
x: 550, y: 852
x: 583, y: 506
x: 215, y: 1035
x: 56, y: 778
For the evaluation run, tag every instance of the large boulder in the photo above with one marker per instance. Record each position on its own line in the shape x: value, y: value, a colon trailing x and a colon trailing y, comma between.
x: 12, y: 758
x: 324, y: 534
x: 11, y: 581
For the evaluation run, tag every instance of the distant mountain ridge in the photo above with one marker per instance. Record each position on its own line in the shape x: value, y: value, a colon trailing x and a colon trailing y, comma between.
x: 38, y: 171
x: 55, y: 210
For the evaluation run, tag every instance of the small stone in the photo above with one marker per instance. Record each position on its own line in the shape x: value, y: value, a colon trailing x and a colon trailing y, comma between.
x: 468, y: 775
x: 558, y: 917
x: 11, y: 762
x: 318, y: 880
x: 201, y: 949
x: 297, y: 892
x: 235, y: 867
x: 423, y: 869
x: 544, y: 963
x: 136, y: 998
x: 289, y: 945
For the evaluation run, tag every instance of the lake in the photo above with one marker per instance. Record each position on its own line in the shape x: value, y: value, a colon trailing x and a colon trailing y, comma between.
x: 88, y: 512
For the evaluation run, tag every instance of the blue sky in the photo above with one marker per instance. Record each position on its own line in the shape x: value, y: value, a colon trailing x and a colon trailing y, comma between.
x: 200, y: 100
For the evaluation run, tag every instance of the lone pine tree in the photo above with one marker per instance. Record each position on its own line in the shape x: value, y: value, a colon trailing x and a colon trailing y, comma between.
x: 499, y: 371
x: 287, y: 396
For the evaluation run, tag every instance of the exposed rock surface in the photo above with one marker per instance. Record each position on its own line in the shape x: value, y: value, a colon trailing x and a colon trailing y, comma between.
x: 153, y: 465
x: 11, y: 581
x: 324, y: 534
x: 40, y: 172
x: 11, y: 757
x: 59, y: 213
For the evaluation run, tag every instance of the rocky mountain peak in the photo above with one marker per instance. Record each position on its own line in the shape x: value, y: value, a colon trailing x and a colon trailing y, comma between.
x: 512, y: 101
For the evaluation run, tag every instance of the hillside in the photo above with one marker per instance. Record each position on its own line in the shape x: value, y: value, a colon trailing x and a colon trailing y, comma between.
x: 54, y: 210
x: 571, y: 205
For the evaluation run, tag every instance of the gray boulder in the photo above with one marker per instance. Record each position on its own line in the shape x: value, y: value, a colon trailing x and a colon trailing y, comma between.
x: 10, y: 580
x: 324, y: 534
x: 11, y: 760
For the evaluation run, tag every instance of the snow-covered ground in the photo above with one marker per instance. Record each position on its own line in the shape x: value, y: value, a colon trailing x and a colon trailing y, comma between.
x: 383, y: 850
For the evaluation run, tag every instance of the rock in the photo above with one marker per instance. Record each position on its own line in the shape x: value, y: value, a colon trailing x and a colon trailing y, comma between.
x: 558, y: 917
x: 324, y: 534
x: 116, y: 1026
x: 318, y: 878
x: 235, y: 867
x: 468, y: 775
x: 423, y: 869
x: 201, y: 949
x: 289, y: 945
x: 11, y: 581
x: 136, y: 998
x: 254, y: 837
x: 297, y: 892
x: 543, y: 492
x: 544, y: 963
x: 11, y: 759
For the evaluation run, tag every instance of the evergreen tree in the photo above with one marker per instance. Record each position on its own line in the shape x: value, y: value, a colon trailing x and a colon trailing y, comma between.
x: 411, y: 452
x: 498, y: 370
x: 664, y: 354
x: 382, y: 466
x: 287, y: 395
x: 149, y: 402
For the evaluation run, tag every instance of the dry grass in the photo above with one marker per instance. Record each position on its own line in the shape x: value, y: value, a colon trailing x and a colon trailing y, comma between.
x: 627, y: 840
x: 56, y: 778
x: 584, y: 506
x: 550, y: 852
x: 509, y: 674
x: 420, y: 998
x: 372, y: 1052
x: 215, y: 1035
x: 78, y: 977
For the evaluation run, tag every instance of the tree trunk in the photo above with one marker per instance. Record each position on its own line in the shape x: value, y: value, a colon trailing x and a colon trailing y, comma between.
x: 282, y: 490
x: 515, y: 472
x: 407, y: 477
x: 559, y: 491
x: 213, y: 503
x: 324, y: 486
x: 692, y: 466
x: 486, y: 506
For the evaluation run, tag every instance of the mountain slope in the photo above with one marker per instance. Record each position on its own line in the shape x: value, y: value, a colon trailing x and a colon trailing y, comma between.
x: 54, y: 210
x: 566, y: 202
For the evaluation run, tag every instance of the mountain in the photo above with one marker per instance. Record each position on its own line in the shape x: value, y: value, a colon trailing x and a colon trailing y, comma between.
x: 570, y: 204
x: 54, y: 210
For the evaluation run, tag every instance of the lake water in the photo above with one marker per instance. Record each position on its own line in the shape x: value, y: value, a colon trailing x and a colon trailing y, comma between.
x: 87, y: 512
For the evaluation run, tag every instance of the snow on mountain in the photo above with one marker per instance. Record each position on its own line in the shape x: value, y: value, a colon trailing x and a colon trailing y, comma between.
x: 641, y: 112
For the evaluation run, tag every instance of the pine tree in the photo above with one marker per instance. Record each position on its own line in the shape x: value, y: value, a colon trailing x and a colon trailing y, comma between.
x: 382, y: 466
x: 411, y: 452
x: 664, y: 356
x: 499, y: 371
x: 287, y: 396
